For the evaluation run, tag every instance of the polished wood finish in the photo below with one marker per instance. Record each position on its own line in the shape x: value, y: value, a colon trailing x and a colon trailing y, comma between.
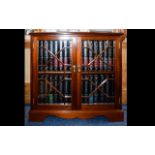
x: 76, y: 110
x: 111, y: 115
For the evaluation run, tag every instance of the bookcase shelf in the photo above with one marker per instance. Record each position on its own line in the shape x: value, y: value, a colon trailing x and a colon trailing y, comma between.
x: 76, y: 75
x: 54, y: 72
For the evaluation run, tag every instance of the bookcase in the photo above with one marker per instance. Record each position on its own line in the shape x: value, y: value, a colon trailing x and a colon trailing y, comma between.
x: 76, y: 75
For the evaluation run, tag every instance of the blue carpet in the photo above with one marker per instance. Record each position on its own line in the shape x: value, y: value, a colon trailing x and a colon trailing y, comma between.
x: 55, y: 121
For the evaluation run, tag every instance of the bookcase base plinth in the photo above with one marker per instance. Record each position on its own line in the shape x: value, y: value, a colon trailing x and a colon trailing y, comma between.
x: 111, y: 115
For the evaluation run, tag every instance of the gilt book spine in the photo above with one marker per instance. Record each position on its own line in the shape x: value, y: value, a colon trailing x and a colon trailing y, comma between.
x: 101, y: 51
x: 91, y: 54
x: 51, y: 59
x: 65, y: 55
x: 55, y: 53
x: 45, y: 55
x: 106, y: 55
x: 41, y: 61
x: 110, y: 55
x: 85, y: 55
x: 61, y: 55
x: 68, y: 54
x: 96, y: 52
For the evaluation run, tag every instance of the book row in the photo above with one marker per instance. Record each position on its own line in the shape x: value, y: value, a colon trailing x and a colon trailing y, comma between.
x: 95, y: 89
x: 54, y: 55
x: 99, y: 88
x: 97, y: 55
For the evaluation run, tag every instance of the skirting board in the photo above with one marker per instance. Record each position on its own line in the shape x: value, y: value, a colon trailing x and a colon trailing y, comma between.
x: 27, y: 93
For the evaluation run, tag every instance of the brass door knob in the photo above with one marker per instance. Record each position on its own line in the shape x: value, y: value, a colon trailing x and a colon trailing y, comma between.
x: 79, y: 69
x: 74, y: 68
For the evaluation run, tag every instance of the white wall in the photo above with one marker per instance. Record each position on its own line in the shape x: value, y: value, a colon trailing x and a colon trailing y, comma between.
x: 27, y: 61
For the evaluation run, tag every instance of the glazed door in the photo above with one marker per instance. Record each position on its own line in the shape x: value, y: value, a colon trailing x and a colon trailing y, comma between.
x: 54, y: 71
x: 96, y: 62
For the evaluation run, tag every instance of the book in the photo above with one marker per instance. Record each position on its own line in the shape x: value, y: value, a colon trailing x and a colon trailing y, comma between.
x: 67, y: 88
x: 65, y: 55
x: 50, y: 98
x: 55, y: 52
x: 45, y: 55
x: 61, y: 67
x: 50, y: 93
x: 51, y: 59
x: 40, y: 56
x: 61, y: 99
x: 91, y: 98
x: 41, y: 84
x: 68, y: 53
x: 110, y: 55
x: 107, y: 89
x: 105, y: 56
x: 56, y: 81
x: 41, y: 63
x: 91, y: 56
x: 41, y: 44
x: 102, y: 89
x: 111, y: 87
x: 84, y: 89
x: 101, y: 48
x: 96, y: 52
x: 85, y: 55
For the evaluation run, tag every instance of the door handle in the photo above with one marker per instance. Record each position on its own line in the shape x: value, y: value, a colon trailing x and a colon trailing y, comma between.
x: 74, y: 68
x: 79, y: 69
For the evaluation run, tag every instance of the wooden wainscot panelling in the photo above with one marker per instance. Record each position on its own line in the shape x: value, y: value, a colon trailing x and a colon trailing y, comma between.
x: 27, y: 41
x: 27, y: 93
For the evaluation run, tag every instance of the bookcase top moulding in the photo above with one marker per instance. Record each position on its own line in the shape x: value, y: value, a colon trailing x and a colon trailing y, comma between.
x: 78, y: 33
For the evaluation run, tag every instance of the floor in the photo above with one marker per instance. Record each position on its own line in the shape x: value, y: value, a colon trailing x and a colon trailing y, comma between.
x: 55, y: 121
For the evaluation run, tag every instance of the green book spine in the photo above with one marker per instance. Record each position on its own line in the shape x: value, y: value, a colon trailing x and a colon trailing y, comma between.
x: 50, y: 98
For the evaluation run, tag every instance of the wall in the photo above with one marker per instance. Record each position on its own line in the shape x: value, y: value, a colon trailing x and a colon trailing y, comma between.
x: 27, y: 69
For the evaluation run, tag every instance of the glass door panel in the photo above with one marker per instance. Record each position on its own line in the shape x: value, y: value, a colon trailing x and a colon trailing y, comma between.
x: 54, y: 71
x: 97, y: 72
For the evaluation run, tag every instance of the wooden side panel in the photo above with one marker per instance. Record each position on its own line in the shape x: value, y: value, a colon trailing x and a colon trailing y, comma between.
x: 124, y: 72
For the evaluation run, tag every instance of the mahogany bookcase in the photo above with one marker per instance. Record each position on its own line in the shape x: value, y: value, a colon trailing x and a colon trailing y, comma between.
x: 76, y: 75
